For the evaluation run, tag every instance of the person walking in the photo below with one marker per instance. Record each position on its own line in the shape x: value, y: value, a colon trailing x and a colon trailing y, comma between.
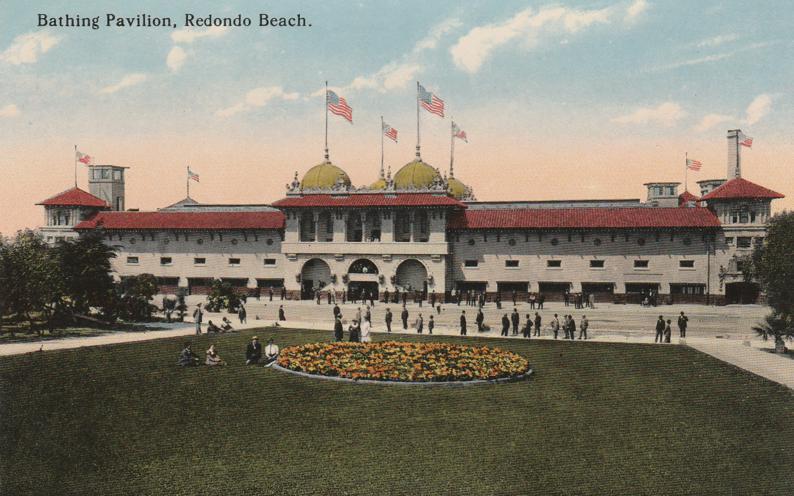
x: 528, y: 327
x: 555, y: 326
x: 281, y: 315
x: 659, y: 330
x: 538, y: 321
x: 433, y: 299
x: 514, y: 295
x: 541, y: 300
x: 532, y: 299
x: 463, y: 327
x: 583, y: 327
x: 368, y: 315
x: 505, y: 325
x: 571, y: 328
x: 498, y: 301
x: 430, y: 324
x: 479, y: 320
x: 358, y: 314
x: 668, y: 331
x: 388, y: 319
x: 198, y: 316
x: 386, y: 296
x: 404, y: 316
x: 337, y: 311
x: 565, y: 326
x: 683, y: 322
x: 242, y: 314
x: 420, y: 324
x: 338, y: 330
x: 515, y: 319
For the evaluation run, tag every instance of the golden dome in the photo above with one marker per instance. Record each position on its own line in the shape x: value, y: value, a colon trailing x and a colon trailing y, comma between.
x: 415, y: 175
x: 324, y: 176
x: 456, y: 188
x: 379, y: 184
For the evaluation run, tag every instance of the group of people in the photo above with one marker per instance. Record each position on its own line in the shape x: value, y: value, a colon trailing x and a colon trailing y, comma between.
x: 664, y: 328
x: 253, y: 354
x: 578, y: 300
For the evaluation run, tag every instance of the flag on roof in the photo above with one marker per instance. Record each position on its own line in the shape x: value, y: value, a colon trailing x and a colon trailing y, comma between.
x: 83, y: 158
x: 390, y: 132
x: 693, y: 164
x: 337, y: 105
x: 430, y: 101
x: 459, y: 133
x: 192, y: 175
x: 745, y: 140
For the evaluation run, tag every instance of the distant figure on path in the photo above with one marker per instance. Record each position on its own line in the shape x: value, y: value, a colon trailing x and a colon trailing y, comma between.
x: 354, y: 331
x: 583, y: 327
x: 420, y: 324
x: 505, y: 325
x: 368, y: 315
x: 538, y: 321
x: 555, y: 326
x: 541, y: 300
x: 430, y: 324
x: 366, y: 328
x: 271, y: 353
x: 242, y: 314
x: 337, y: 311
x: 198, y: 316
x: 463, y: 328
x: 528, y: 327
x: 186, y: 357
x: 253, y: 352
x: 281, y: 315
x: 659, y: 330
x: 339, y: 333
x: 571, y: 327
x: 388, y: 319
x: 404, y: 317
x: 515, y: 319
x: 683, y: 322
x: 480, y: 319
x: 668, y: 331
x: 213, y: 359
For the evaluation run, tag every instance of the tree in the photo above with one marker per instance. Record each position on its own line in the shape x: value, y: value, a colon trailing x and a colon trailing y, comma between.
x: 85, y: 264
x: 222, y: 297
x: 773, y: 264
x: 778, y: 327
x: 136, y: 293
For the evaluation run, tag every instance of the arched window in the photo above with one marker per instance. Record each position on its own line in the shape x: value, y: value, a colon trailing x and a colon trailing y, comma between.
x: 363, y: 266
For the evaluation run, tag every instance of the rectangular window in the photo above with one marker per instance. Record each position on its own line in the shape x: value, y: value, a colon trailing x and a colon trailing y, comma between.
x: 132, y: 260
x: 686, y: 264
x: 511, y: 264
x: 199, y: 261
x: 596, y: 264
x: 234, y: 262
x: 471, y: 263
x: 729, y: 241
x: 641, y: 264
x: 744, y: 242
x: 270, y: 261
x: 166, y: 261
x: 554, y: 264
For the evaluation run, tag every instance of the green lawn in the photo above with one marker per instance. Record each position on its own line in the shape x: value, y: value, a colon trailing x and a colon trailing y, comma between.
x: 594, y: 419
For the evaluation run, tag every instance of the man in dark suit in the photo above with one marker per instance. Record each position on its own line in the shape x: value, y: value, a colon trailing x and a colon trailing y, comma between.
x: 528, y: 327
x: 404, y: 317
x: 480, y: 318
x: 338, y: 330
x: 515, y: 319
x: 505, y: 325
x: 463, y: 328
x: 571, y: 328
x: 683, y: 322
x: 253, y: 352
x: 538, y: 321
x: 388, y: 319
x: 659, y: 330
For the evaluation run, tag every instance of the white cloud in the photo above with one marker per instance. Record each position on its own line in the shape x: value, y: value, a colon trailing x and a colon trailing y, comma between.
x: 473, y: 48
x: 711, y: 120
x: 758, y: 108
x: 717, y: 40
x: 176, y: 58
x: 187, y: 35
x: 26, y: 48
x: 9, y: 110
x: 665, y: 114
x: 257, y: 97
x: 435, y: 35
x: 126, y: 82
x: 636, y: 9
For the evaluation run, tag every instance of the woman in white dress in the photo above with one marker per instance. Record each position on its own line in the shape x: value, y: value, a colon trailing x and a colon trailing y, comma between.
x: 366, y: 327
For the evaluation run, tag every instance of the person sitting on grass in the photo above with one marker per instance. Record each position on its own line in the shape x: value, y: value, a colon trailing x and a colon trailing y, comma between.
x: 186, y: 357
x: 271, y: 353
x: 213, y: 359
x: 253, y: 352
x: 227, y: 324
x: 211, y: 327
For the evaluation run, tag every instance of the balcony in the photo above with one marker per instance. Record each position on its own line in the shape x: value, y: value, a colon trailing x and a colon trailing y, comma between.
x: 359, y: 248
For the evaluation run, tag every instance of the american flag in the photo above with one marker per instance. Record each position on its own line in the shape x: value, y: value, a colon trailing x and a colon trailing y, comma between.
x: 745, y: 140
x: 337, y: 105
x: 83, y: 158
x: 390, y: 132
x: 459, y: 133
x: 192, y: 175
x: 431, y: 102
x: 693, y: 164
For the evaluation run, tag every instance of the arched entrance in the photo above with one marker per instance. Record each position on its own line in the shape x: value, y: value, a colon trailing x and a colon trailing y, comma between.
x: 741, y: 292
x: 363, y: 280
x: 315, y: 274
x: 411, y: 276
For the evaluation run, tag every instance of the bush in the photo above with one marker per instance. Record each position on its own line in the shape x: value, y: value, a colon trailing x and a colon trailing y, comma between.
x: 222, y: 297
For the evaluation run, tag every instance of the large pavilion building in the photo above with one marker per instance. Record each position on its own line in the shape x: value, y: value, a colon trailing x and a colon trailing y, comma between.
x: 423, y: 232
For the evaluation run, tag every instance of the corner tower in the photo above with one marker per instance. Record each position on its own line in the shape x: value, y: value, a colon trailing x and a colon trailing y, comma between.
x: 107, y: 182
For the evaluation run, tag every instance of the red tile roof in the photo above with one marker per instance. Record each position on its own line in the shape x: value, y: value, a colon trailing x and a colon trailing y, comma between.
x: 74, y: 197
x: 585, y: 218
x: 685, y: 198
x: 184, y: 220
x: 740, y: 188
x: 370, y: 200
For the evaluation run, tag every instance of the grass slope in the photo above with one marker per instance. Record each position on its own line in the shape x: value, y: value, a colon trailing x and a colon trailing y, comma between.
x: 595, y: 418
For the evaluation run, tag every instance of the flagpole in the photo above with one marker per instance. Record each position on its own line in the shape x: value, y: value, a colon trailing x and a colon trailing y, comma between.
x: 418, y: 143
x: 686, y: 170
x: 75, y: 166
x: 381, y: 148
x: 187, y: 181
x: 452, y: 149
x: 325, y: 100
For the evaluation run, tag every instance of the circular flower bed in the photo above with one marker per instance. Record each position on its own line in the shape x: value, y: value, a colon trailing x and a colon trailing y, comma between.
x: 403, y: 361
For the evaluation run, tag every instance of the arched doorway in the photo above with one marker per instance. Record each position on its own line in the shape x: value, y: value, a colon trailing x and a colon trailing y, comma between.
x: 363, y: 280
x: 411, y: 276
x: 315, y: 274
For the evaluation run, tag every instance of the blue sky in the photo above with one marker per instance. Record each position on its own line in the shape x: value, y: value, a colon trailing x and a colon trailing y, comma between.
x: 551, y: 74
